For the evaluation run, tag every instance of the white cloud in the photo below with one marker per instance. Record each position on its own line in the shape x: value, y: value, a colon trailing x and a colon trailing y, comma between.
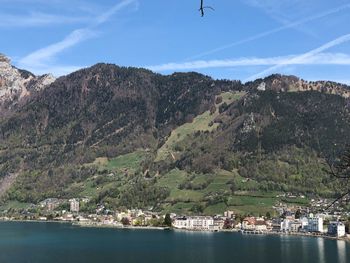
x: 43, y: 58
x: 314, y: 59
x: 107, y: 15
x: 306, y: 57
x: 273, y: 31
x: 45, y: 55
x: 37, y: 19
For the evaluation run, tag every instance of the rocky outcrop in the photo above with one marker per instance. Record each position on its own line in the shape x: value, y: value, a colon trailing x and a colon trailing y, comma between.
x: 16, y: 84
x: 281, y: 83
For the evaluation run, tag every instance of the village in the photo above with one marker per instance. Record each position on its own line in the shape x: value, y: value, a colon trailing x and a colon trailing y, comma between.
x: 292, y: 220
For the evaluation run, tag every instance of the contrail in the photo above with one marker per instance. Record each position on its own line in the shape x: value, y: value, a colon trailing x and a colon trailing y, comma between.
x: 338, y: 41
x: 319, y: 59
x: 273, y: 31
x: 42, y: 56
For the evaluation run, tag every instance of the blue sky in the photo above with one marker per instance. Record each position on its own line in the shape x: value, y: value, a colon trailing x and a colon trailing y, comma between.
x: 241, y: 39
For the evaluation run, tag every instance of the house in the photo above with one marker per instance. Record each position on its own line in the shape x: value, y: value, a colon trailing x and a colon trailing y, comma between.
x: 276, y: 224
x: 254, y: 224
x: 50, y: 204
x: 336, y: 229
x: 229, y: 214
x: 248, y: 223
x: 260, y: 225
x: 218, y: 224
x: 74, y: 205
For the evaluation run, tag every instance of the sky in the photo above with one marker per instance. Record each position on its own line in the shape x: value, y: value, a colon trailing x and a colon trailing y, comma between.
x: 240, y: 39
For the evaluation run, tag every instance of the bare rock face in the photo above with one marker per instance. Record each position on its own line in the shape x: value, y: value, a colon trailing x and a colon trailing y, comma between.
x: 16, y: 84
x: 281, y: 83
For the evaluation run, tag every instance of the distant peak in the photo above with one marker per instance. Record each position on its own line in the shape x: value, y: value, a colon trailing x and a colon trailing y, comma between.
x: 3, y: 58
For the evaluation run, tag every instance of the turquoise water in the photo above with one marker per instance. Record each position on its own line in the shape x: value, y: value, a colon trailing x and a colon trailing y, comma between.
x: 51, y: 243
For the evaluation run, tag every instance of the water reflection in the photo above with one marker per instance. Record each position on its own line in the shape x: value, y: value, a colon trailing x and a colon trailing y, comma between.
x: 341, y: 245
x: 321, y: 251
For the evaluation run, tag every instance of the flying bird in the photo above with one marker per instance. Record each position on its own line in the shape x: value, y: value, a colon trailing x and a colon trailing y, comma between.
x: 202, y: 7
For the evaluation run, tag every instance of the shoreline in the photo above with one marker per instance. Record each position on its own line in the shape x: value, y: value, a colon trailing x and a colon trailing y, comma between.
x: 99, y: 225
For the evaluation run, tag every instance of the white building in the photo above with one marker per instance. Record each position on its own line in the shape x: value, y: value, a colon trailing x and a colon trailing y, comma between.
x: 229, y: 214
x: 315, y: 224
x: 285, y: 225
x: 336, y: 229
x: 304, y: 223
x: 194, y: 223
x: 289, y: 225
x: 295, y: 226
x: 74, y: 205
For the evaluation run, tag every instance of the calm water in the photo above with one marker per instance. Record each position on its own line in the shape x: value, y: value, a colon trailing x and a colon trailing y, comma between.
x: 51, y: 243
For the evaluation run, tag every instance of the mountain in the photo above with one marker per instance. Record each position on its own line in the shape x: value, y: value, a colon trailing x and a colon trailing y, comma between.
x: 127, y: 137
x: 17, y: 85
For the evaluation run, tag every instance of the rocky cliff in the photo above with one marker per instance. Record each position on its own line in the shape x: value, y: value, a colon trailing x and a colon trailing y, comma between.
x: 16, y: 85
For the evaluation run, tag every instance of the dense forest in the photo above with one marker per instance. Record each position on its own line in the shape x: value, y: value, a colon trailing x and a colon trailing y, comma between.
x: 128, y: 137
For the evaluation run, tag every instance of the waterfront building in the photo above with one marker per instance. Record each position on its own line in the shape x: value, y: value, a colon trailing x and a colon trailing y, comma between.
x: 260, y: 225
x: 285, y: 224
x: 315, y: 224
x: 336, y: 229
x: 181, y: 222
x: 249, y: 223
x: 201, y: 222
x: 276, y: 224
x: 291, y: 225
x: 194, y: 223
x: 254, y: 224
x: 218, y: 223
x: 295, y: 226
x: 304, y: 223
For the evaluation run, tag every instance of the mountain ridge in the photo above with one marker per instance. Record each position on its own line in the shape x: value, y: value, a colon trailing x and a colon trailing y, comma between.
x: 148, y: 129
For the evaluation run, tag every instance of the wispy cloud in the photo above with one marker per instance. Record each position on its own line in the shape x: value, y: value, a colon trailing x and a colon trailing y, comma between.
x: 38, y: 19
x: 303, y: 57
x: 316, y: 59
x: 272, y: 31
x: 43, y: 58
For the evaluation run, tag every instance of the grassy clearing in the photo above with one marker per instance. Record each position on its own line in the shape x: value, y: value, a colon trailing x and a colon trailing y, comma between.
x: 252, y: 210
x: 251, y: 200
x: 172, y: 179
x: 200, y: 123
x: 185, y: 195
x: 255, y: 205
x: 180, y: 208
x: 216, y: 209
x: 14, y: 205
x: 295, y: 201
x: 130, y: 161
x: 220, y: 182
x: 101, y: 161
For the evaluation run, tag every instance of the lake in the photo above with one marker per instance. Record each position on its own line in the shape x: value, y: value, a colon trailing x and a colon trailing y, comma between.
x: 55, y: 242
